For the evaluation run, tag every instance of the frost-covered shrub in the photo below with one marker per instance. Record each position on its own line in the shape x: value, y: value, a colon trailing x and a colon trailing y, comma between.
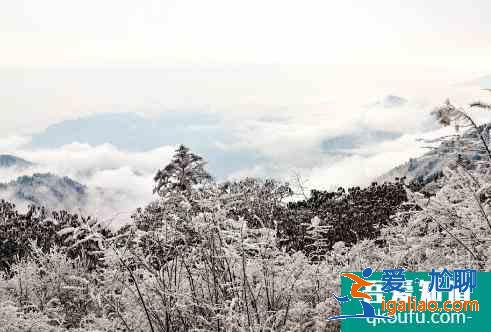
x: 76, y: 235
x: 13, y: 319
x: 53, y: 285
x: 227, y: 276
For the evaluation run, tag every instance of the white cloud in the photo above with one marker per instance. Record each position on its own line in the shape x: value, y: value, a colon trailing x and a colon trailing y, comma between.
x: 81, y: 160
x: 10, y: 144
x: 118, y: 181
x: 366, y: 164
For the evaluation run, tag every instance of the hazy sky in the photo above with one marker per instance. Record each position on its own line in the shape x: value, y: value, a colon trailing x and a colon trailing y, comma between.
x: 64, y: 59
x: 281, y: 76
x: 441, y: 33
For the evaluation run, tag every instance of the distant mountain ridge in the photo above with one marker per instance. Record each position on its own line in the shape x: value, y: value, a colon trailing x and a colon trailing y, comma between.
x: 355, y: 140
x: 428, y: 167
x: 130, y: 131
x: 201, y: 131
x: 10, y: 161
x: 390, y: 101
x: 46, y: 190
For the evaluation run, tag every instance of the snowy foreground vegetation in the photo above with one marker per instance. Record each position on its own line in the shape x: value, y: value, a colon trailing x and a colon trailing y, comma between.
x: 235, y: 256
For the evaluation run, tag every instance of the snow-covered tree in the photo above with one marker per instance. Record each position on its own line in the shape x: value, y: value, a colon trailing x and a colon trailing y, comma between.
x: 184, y: 171
x: 449, y: 114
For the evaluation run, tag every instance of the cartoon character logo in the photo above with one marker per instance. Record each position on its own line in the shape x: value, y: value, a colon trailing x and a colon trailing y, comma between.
x: 358, y: 283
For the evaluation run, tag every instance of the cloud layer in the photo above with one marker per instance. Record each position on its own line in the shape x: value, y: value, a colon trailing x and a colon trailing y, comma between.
x: 341, y: 142
x: 118, y: 182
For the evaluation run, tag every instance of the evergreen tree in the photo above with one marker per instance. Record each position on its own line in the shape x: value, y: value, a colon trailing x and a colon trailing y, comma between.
x: 185, y: 170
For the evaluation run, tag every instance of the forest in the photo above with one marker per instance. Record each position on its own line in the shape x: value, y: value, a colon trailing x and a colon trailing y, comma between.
x: 244, y: 255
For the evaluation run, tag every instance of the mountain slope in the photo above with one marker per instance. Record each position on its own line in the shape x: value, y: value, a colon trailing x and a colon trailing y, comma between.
x: 10, y: 161
x: 47, y: 190
x: 427, y: 168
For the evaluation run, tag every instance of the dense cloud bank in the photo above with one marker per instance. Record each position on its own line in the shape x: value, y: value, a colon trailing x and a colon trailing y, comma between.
x: 117, y: 154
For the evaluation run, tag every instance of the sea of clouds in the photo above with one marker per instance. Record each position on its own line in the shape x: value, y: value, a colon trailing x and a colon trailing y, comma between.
x: 249, y: 133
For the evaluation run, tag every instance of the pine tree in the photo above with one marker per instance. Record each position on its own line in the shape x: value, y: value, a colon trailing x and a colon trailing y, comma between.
x: 184, y: 171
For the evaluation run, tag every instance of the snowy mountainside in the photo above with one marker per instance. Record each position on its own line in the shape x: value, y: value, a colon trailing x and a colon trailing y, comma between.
x: 45, y: 190
x: 466, y: 148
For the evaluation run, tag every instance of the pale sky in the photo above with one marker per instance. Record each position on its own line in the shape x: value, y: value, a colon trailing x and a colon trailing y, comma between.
x: 440, y: 33
x: 120, y: 55
x: 61, y: 59
x: 280, y: 75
